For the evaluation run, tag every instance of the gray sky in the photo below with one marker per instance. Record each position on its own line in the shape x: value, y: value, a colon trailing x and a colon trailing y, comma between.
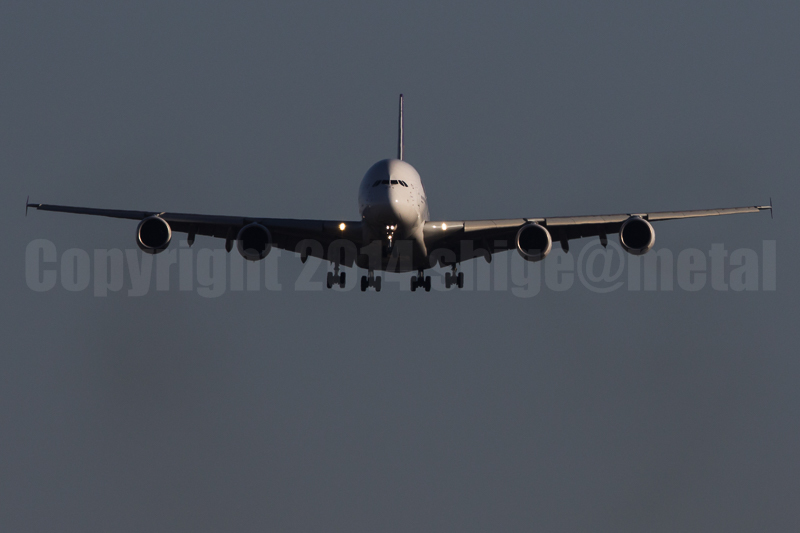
x: 450, y: 411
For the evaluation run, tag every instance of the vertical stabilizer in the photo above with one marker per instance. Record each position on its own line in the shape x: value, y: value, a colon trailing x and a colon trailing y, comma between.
x: 400, y: 132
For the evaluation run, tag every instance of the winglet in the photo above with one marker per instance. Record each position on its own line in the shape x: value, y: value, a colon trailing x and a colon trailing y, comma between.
x: 766, y: 207
x: 400, y: 132
x: 28, y: 204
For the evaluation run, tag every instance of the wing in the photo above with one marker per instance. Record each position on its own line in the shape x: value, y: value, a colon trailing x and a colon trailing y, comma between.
x: 287, y: 233
x: 490, y: 236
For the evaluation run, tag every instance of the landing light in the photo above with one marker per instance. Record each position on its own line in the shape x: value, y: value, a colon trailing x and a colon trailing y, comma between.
x: 342, y: 226
x: 444, y: 227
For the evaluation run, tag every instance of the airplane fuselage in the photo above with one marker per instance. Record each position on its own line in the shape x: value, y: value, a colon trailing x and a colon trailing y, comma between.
x: 394, y: 208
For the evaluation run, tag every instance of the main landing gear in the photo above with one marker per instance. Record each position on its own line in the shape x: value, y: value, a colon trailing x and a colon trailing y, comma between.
x: 421, y: 281
x: 336, y: 278
x: 370, y: 280
x: 456, y: 279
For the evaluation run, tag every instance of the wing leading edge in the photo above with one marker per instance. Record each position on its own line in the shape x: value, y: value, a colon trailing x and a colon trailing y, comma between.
x: 287, y: 233
x: 499, y: 235
x: 484, y: 237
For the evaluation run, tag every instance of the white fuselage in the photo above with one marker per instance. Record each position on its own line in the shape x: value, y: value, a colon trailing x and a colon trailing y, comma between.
x: 392, y: 204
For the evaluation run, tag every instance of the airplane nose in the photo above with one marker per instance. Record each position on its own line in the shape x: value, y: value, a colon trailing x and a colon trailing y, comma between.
x: 402, y: 210
x: 391, y: 207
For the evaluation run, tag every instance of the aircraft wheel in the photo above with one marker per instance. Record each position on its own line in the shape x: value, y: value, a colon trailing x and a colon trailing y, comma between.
x: 364, y: 283
x: 330, y: 279
x: 460, y: 280
x: 427, y: 284
x: 413, y: 283
x: 378, y: 284
x: 341, y: 280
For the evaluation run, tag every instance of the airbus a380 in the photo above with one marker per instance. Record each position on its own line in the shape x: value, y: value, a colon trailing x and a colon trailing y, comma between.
x: 395, y: 232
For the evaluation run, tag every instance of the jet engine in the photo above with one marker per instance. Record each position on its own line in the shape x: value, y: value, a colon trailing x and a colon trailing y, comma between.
x: 637, y: 236
x: 533, y: 242
x: 254, y: 242
x: 153, y: 235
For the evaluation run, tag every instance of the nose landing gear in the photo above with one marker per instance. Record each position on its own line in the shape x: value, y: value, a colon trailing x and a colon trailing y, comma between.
x: 389, y: 242
x: 370, y: 280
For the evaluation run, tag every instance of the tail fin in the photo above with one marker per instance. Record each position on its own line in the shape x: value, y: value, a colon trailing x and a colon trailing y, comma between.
x: 400, y: 132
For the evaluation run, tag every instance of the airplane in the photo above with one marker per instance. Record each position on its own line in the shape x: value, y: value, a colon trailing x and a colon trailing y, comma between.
x: 395, y: 232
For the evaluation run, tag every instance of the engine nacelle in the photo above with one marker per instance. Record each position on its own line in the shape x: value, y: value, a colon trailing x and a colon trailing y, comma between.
x: 533, y: 242
x: 254, y: 242
x: 637, y: 236
x: 153, y: 235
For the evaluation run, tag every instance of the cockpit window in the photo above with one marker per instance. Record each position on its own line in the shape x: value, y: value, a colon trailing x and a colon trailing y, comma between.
x: 390, y: 182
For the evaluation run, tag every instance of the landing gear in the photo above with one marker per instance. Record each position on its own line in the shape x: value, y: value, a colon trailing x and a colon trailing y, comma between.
x: 456, y: 279
x: 370, y: 280
x: 389, y: 238
x: 336, y: 278
x: 422, y: 281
